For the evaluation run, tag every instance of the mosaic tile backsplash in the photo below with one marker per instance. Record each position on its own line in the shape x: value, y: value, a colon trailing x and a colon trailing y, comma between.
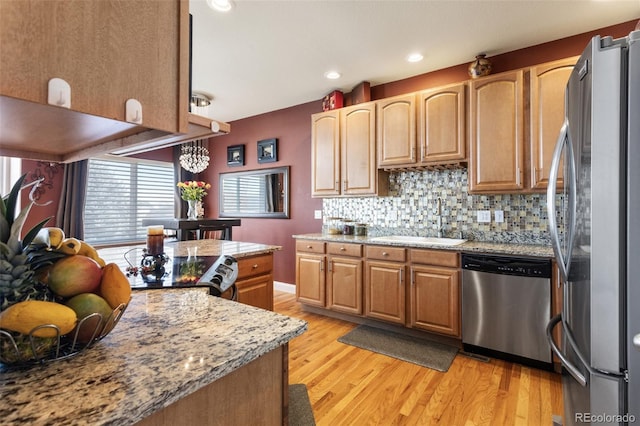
x: 411, y: 209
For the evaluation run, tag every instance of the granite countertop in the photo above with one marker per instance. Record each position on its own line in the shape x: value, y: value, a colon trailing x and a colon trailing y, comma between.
x: 167, y: 345
x: 467, y: 247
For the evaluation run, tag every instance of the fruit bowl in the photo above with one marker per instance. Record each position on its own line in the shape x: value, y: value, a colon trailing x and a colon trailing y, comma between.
x: 20, y: 350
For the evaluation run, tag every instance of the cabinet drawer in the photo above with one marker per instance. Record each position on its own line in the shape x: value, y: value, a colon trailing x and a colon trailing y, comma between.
x: 345, y: 249
x: 310, y: 246
x: 395, y: 254
x: 436, y: 257
x: 256, y: 265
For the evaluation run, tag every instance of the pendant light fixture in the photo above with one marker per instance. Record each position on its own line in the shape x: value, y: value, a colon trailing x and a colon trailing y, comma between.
x: 194, y: 156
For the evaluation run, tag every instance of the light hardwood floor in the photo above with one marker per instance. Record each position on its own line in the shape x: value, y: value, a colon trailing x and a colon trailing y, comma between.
x: 352, y: 386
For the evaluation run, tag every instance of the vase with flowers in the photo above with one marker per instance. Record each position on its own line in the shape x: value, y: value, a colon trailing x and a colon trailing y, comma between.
x: 193, y: 192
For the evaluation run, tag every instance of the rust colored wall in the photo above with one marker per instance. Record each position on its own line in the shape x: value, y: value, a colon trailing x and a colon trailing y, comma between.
x: 292, y: 128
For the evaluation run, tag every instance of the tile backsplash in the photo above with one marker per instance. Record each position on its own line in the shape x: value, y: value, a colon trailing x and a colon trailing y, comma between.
x: 411, y: 209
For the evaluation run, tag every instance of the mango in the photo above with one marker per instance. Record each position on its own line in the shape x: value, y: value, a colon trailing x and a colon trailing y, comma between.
x: 114, y: 286
x: 84, y: 305
x: 23, y: 317
x: 73, y: 275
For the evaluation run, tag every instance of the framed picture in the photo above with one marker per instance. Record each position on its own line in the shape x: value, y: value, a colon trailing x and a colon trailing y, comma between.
x: 268, y: 151
x: 235, y: 155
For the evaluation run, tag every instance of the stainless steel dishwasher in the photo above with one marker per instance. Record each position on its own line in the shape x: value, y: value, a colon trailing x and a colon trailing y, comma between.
x: 506, y: 305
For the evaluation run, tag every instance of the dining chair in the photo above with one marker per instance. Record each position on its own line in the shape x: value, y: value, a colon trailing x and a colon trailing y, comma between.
x: 214, y: 232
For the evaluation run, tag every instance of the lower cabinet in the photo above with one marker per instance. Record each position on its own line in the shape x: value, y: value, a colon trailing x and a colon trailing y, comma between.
x: 255, y: 281
x: 416, y: 288
x: 434, y: 296
x: 344, y: 278
x: 385, y: 283
x: 310, y: 272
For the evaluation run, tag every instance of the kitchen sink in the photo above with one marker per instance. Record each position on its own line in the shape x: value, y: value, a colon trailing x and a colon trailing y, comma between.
x: 420, y: 240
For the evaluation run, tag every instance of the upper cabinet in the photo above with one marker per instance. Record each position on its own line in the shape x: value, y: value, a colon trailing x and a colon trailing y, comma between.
x: 442, y: 127
x: 343, y: 159
x: 325, y: 154
x: 110, y: 54
x: 547, y: 88
x: 497, y: 133
x: 396, y: 127
x: 423, y: 129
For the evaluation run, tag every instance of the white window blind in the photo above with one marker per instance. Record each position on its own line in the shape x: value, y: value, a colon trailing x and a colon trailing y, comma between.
x: 120, y: 194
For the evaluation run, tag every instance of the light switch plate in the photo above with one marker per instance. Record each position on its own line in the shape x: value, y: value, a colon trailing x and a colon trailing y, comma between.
x: 498, y: 216
x: 484, y: 216
x: 317, y: 214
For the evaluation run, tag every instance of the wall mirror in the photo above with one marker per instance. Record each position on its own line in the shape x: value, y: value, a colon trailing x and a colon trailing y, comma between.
x: 255, y: 193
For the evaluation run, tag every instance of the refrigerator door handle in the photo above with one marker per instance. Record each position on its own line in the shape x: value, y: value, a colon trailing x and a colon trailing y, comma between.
x: 572, y: 369
x: 563, y: 139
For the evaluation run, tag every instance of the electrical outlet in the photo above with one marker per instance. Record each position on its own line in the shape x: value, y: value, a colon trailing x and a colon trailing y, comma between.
x: 484, y: 216
x: 317, y: 214
x: 498, y: 216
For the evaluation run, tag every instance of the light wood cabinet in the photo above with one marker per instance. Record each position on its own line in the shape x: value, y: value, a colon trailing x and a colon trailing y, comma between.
x: 547, y: 89
x: 442, y: 126
x: 343, y: 159
x: 310, y: 272
x: 434, y: 298
x: 396, y: 127
x: 255, y: 281
x: 497, y: 133
x: 344, y: 278
x: 325, y: 154
x: 385, y: 280
x: 108, y: 52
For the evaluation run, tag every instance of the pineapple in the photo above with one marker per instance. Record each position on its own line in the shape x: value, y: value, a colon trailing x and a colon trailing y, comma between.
x: 19, y: 263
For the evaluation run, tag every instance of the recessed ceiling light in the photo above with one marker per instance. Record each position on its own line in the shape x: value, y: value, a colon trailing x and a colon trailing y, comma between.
x: 220, y: 5
x: 332, y: 75
x: 414, y: 57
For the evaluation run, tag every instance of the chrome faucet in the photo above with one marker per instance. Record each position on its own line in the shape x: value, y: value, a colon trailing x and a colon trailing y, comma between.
x: 439, y: 216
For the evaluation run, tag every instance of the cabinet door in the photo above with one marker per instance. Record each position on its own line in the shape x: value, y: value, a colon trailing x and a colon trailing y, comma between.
x: 396, y: 127
x: 435, y: 300
x: 325, y: 154
x: 385, y: 291
x: 548, y: 83
x: 442, y: 124
x: 358, y: 147
x: 496, y: 133
x: 344, y: 285
x: 107, y: 51
x: 256, y: 291
x: 310, y: 279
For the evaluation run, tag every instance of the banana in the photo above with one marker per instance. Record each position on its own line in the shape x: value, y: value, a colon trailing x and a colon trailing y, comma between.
x: 56, y: 236
x: 42, y: 238
x: 69, y: 246
x: 88, y: 250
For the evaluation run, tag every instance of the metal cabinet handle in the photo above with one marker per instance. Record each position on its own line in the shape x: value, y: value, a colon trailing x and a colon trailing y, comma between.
x: 255, y: 265
x: 636, y: 341
x: 384, y: 253
x: 309, y: 247
x: 342, y: 249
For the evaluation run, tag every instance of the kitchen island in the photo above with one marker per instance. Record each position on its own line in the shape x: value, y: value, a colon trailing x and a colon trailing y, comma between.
x: 177, y: 357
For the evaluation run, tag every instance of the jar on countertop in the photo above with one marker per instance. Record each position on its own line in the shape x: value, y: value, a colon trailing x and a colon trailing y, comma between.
x: 333, y: 225
x: 360, y: 229
x: 348, y: 227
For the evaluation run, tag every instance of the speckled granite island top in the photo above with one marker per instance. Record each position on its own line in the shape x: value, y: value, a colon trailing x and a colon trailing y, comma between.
x: 167, y: 345
x: 469, y: 246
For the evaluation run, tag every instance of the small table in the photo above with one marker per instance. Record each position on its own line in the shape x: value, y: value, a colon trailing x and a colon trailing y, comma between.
x: 183, y: 226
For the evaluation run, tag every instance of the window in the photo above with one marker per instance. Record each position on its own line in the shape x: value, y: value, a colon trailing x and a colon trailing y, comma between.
x: 10, y: 172
x: 121, y: 193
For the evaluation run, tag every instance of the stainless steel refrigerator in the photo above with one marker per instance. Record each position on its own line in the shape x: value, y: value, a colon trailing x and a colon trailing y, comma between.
x: 597, y: 242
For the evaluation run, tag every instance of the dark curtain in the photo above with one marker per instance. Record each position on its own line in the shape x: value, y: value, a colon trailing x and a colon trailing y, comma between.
x: 70, y: 215
x: 180, y: 175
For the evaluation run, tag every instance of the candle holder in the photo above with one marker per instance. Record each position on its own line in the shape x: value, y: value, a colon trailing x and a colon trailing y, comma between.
x: 152, y: 267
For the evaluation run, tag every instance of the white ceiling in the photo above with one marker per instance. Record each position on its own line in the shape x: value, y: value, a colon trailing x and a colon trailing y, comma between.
x: 268, y: 55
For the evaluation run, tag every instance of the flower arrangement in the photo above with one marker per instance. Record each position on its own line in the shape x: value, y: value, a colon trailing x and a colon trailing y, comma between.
x: 192, y: 190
